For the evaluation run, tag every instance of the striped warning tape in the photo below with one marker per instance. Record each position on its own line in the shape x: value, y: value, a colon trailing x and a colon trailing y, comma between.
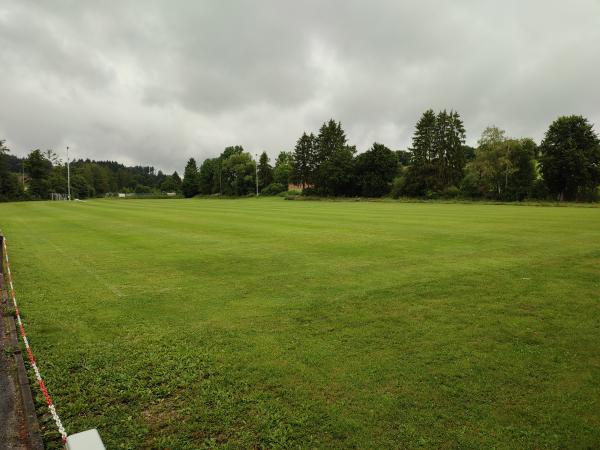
x: 38, y: 376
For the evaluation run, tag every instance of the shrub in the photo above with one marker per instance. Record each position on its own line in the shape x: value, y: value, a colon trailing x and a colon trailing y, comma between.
x: 309, y: 191
x: 274, y: 189
x: 589, y: 194
x: 141, y: 189
x: 451, y: 192
x: 430, y: 194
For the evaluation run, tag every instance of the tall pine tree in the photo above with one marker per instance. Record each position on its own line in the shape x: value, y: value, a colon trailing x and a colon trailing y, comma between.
x: 189, y: 186
x: 423, y: 139
x: 333, y: 157
x: 438, y: 157
x: 331, y: 138
x: 305, y: 159
x: 455, y: 152
x: 449, y: 159
x: 265, y: 171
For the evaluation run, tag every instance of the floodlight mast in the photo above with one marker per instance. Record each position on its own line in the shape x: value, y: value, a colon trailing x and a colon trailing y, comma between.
x: 256, y: 167
x: 68, y: 176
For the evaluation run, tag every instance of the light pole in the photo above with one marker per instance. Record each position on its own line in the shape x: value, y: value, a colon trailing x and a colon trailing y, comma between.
x: 256, y: 167
x: 220, y: 181
x: 68, y: 176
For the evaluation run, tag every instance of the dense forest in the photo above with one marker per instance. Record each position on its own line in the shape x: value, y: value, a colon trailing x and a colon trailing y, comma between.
x: 564, y: 166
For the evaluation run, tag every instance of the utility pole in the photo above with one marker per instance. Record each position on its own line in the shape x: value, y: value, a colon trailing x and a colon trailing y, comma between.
x: 256, y: 167
x: 68, y: 176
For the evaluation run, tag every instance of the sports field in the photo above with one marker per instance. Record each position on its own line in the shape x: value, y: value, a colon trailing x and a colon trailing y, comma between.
x: 270, y: 323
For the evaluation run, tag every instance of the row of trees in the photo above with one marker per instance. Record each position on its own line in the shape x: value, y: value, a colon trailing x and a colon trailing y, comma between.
x: 235, y: 173
x: 565, y: 166
x: 42, y: 173
x: 322, y: 165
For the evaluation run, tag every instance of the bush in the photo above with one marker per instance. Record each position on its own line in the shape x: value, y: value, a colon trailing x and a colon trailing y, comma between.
x: 310, y: 191
x: 431, y: 194
x: 589, y: 195
x: 451, y: 192
x: 273, y: 189
x: 291, y: 192
x: 141, y: 189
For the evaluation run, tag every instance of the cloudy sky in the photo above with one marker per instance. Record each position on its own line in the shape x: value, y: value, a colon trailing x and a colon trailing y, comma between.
x: 156, y: 82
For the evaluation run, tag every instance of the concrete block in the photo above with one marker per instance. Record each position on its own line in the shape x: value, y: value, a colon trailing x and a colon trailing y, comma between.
x: 86, y: 440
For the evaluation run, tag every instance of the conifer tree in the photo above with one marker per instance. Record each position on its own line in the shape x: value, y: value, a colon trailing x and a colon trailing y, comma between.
x: 333, y: 157
x: 305, y: 159
x: 331, y: 138
x: 455, y: 154
x: 423, y: 139
x: 189, y: 186
x: 265, y: 171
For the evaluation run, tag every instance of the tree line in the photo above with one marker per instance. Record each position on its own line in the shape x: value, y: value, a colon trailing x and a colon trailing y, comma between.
x: 564, y: 166
x: 42, y: 173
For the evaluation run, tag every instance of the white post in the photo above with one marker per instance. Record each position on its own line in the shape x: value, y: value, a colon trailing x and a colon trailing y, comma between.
x: 68, y: 176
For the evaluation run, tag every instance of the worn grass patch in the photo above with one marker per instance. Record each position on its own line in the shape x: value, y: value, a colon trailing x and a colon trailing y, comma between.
x: 270, y: 324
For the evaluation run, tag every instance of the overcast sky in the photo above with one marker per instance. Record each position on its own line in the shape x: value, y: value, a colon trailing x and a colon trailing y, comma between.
x: 157, y: 82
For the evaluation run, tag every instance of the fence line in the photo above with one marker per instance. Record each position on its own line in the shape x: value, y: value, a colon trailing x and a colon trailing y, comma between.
x: 32, y: 360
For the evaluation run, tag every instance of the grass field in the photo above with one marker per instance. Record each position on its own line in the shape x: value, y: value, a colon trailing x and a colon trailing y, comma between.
x: 271, y: 323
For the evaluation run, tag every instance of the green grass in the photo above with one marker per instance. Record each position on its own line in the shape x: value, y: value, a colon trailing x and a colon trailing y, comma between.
x: 272, y: 323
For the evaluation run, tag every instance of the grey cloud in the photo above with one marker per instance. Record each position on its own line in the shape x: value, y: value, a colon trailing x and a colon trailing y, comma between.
x: 157, y: 82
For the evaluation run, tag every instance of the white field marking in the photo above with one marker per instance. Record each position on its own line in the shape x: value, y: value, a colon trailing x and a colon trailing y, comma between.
x: 111, y: 287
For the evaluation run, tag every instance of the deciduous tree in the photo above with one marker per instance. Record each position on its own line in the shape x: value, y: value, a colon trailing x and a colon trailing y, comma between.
x: 9, y: 185
x: 375, y: 169
x: 284, y: 168
x: 502, y: 169
x: 238, y: 174
x: 570, y: 158
x: 38, y: 168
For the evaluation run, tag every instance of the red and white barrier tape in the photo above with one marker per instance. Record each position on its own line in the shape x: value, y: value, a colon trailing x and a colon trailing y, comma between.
x: 38, y: 376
